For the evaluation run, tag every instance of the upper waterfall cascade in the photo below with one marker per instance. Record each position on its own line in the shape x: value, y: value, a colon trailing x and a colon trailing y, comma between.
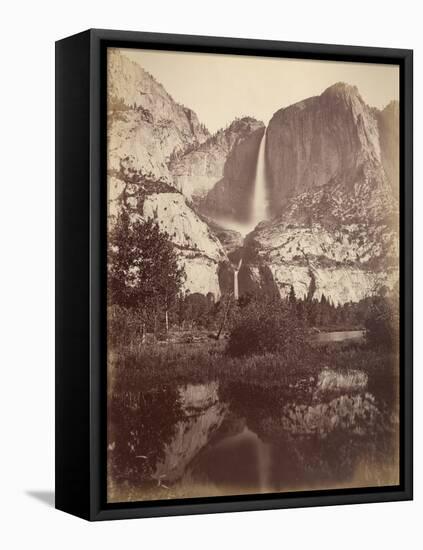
x: 259, y: 199
x: 259, y: 210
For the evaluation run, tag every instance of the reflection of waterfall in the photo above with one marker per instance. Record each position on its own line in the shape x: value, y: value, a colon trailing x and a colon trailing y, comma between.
x: 264, y: 463
x: 260, y: 201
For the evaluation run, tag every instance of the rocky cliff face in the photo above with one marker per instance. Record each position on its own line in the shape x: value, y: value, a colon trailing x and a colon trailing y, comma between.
x: 227, y: 155
x: 232, y: 193
x: 324, y: 138
x: 332, y: 170
x: 146, y: 130
x: 199, y: 250
x: 345, y: 264
x: 388, y: 121
x: 332, y: 165
x: 146, y: 126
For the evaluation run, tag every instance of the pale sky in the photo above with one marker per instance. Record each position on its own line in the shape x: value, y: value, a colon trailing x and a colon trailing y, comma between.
x: 220, y: 88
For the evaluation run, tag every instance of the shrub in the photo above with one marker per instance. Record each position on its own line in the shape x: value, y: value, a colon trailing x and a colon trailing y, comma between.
x: 124, y: 326
x: 267, y: 326
x: 382, y: 323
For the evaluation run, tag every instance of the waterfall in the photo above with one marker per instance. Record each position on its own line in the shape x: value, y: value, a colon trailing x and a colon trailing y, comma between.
x: 236, y: 287
x: 236, y: 271
x: 260, y: 201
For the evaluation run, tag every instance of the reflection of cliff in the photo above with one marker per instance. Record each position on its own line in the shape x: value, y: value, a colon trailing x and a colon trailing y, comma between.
x: 338, y: 434
x: 355, y: 413
x: 234, y: 438
x: 203, y: 416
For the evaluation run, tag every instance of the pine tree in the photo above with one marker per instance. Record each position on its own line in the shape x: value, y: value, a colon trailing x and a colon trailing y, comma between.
x: 292, y: 299
x: 312, y: 287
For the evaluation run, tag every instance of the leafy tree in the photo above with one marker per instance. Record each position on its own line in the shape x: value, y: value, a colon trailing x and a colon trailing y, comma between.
x: 143, y: 269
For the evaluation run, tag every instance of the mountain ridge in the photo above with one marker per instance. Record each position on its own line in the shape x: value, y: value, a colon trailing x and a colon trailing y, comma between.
x: 333, y: 176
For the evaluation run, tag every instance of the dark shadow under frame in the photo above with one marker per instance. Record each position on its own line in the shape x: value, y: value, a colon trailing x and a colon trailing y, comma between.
x: 90, y: 379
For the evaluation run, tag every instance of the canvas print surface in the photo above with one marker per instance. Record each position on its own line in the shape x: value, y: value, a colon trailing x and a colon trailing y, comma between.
x: 253, y: 275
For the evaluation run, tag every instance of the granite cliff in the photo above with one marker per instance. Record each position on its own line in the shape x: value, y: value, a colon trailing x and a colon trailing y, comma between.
x: 146, y: 126
x: 231, y: 196
x: 220, y: 170
x: 333, y: 179
x: 146, y: 130
x: 332, y: 176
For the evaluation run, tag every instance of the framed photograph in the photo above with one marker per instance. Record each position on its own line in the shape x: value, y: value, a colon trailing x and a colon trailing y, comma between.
x: 233, y: 274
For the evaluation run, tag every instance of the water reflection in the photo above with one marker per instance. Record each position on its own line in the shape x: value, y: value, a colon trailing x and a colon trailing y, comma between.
x: 213, y: 439
x: 203, y: 414
x: 339, y: 336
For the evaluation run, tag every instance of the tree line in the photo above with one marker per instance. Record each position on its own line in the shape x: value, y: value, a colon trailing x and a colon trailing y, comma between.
x: 145, y: 295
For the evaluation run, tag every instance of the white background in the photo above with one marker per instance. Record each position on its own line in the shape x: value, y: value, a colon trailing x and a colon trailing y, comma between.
x: 28, y: 32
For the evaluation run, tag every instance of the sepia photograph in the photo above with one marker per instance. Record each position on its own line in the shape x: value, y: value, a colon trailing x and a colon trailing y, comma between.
x: 252, y: 275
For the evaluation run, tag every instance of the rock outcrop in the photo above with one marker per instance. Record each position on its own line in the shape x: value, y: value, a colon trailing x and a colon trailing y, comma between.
x: 199, y: 250
x: 147, y: 129
x: 388, y: 120
x: 229, y: 154
x: 146, y: 126
x: 345, y: 265
x: 332, y: 164
x: 231, y: 197
x: 345, y: 262
x: 321, y: 139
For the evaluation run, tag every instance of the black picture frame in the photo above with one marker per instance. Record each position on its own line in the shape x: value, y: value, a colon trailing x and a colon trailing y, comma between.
x: 80, y: 273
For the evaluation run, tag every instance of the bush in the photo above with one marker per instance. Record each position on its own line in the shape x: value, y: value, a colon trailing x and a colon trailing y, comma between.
x: 382, y: 323
x: 124, y: 327
x: 267, y: 326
